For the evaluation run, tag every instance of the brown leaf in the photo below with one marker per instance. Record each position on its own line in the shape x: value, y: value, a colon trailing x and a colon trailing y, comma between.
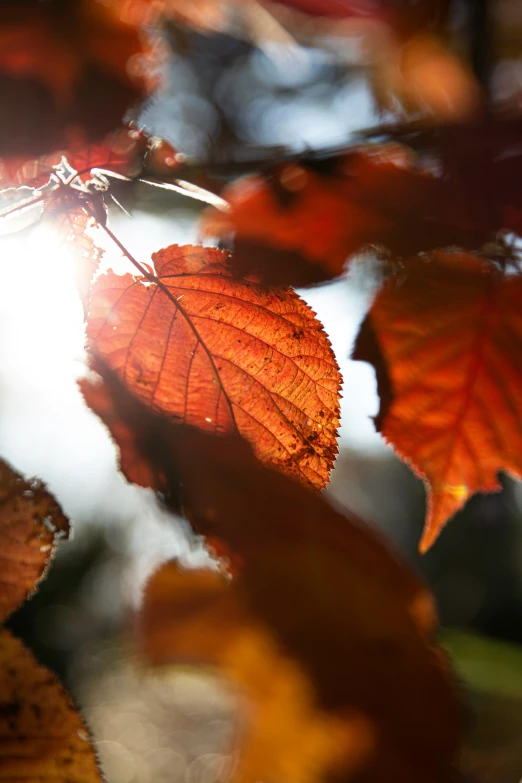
x: 42, y: 736
x: 200, y: 617
x: 353, y: 620
x: 224, y: 355
x: 30, y: 523
x: 450, y: 333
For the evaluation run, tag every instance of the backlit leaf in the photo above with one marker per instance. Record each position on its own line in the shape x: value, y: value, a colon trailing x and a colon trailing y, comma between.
x: 317, y: 587
x: 30, y: 523
x: 450, y: 332
x: 42, y: 736
x: 224, y: 355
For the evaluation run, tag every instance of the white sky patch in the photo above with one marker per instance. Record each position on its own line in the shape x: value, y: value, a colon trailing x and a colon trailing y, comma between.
x: 341, y: 307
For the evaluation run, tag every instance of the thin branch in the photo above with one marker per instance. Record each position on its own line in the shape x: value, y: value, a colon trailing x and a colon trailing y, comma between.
x: 21, y: 205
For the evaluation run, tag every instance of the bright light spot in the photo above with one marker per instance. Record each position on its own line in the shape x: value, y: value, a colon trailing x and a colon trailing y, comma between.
x: 341, y: 306
x: 45, y: 427
x: 38, y: 299
x: 41, y: 351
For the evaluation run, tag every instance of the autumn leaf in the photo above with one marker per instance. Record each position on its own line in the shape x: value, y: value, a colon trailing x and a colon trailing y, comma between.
x: 224, y: 355
x: 299, y: 225
x: 449, y: 335
x: 42, y: 736
x: 31, y: 521
x: 72, y: 65
x: 480, y: 165
x: 355, y: 623
x: 200, y: 617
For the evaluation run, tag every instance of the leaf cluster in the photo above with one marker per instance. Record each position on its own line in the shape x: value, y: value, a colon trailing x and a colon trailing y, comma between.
x: 220, y: 388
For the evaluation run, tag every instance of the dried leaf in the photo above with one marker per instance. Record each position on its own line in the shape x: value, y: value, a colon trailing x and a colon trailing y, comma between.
x: 449, y: 333
x: 224, y: 355
x: 42, y: 736
x: 353, y: 620
x: 30, y: 523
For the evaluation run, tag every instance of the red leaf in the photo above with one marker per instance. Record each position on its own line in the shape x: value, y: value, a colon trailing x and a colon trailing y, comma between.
x: 224, y: 355
x: 355, y: 622
x: 450, y: 334
x: 301, y: 225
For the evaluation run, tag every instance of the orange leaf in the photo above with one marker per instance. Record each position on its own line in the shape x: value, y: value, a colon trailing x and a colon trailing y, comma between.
x: 223, y: 355
x: 30, y: 522
x: 200, y: 617
x: 302, y: 223
x: 356, y: 623
x: 449, y: 333
x: 42, y: 737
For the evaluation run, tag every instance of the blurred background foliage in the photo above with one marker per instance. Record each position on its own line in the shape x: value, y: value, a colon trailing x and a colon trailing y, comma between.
x: 227, y: 102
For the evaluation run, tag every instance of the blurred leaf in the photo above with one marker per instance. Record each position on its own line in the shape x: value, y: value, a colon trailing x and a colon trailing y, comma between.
x: 200, y: 617
x: 353, y: 620
x: 122, y: 151
x: 65, y: 68
x: 300, y: 224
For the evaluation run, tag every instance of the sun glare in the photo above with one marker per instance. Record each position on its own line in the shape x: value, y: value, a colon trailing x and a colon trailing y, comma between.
x: 39, y: 303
